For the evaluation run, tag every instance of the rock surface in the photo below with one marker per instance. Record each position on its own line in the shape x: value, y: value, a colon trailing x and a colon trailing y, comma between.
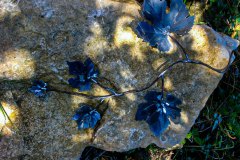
x: 37, y: 37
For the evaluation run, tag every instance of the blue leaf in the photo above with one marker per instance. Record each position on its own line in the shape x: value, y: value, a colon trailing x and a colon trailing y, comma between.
x: 154, y: 10
x: 158, y: 123
x: 76, y: 117
x: 147, y: 32
x: 179, y: 20
x: 157, y: 111
x: 84, y: 74
x: 173, y: 100
x: 76, y: 68
x: 184, y: 26
x: 154, y: 37
x: 144, y: 111
x: 163, y: 44
x: 39, y: 88
x: 162, y: 24
x: 85, y: 87
x: 74, y: 82
x: 171, y: 110
x: 86, y: 117
x: 152, y: 96
x: 89, y: 64
x: 81, y: 85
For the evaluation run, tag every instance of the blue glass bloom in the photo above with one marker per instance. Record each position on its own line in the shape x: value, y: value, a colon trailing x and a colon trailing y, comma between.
x: 156, y: 111
x: 162, y: 24
x: 86, y: 117
x: 39, y: 88
x: 84, y: 74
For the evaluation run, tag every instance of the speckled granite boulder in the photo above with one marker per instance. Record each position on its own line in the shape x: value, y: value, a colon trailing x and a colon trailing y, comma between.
x: 37, y: 37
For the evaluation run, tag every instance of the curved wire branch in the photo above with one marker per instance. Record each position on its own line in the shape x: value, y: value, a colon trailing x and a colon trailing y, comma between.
x: 187, y: 60
x: 223, y: 70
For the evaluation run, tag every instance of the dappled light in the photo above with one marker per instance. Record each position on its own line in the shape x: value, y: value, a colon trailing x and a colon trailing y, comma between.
x: 8, y: 116
x: 3, y: 118
x: 131, y: 97
x: 17, y: 64
x: 123, y: 33
x: 8, y: 8
x: 168, y: 84
x: 184, y: 117
x: 82, y: 137
x: 137, y: 54
x: 124, y: 37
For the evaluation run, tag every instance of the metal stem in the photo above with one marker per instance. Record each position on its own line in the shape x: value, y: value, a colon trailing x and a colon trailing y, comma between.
x: 160, y: 76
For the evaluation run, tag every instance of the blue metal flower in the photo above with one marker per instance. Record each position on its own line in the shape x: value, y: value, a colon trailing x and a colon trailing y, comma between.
x: 162, y: 24
x: 157, y: 110
x: 84, y: 74
x: 39, y: 88
x: 86, y: 117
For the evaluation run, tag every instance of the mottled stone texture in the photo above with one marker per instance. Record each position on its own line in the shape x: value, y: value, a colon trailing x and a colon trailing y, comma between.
x: 37, y: 37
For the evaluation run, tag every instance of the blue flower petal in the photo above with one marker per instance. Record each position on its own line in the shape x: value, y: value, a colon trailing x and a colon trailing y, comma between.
x: 172, y: 99
x: 163, y: 44
x: 85, y: 87
x: 158, y: 123
x: 85, y: 109
x: 144, y: 111
x: 89, y: 64
x: 95, y: 117
x: 40, y: 83
x: 154, y: 10
x: 39, y: 88
x: 176, y: 21
x: 179, y: 20
x: 157, y: 111
x: 153, y: 37
x: 76, y: 68
x: 82, y: 86
x: 84, y: 74
x: 147, y: 33
x: 74, y: 82
x: 183, y: 26
x: 178, y: 11
x: 86, y: 121
x: 171, y: 110
x: 92, y: 72
x: 152, y: 96
x: 76, y: 117
x: 86, y: 117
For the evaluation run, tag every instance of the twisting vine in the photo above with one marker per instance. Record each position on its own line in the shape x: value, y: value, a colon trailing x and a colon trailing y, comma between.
x: 156, y: 31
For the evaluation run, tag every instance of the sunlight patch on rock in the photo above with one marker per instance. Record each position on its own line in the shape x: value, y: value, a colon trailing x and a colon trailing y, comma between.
x: 8, y: 8
x: 17, y: 64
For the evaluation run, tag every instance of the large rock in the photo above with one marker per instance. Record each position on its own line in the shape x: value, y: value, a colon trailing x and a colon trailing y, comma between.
x: 37, y: 37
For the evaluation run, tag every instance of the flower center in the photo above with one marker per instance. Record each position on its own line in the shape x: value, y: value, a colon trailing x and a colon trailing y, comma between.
x: 165, y: 31
x: 82, y: 78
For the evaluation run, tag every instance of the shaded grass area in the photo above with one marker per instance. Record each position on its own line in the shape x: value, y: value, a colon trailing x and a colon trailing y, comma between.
x: 216, y: 133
